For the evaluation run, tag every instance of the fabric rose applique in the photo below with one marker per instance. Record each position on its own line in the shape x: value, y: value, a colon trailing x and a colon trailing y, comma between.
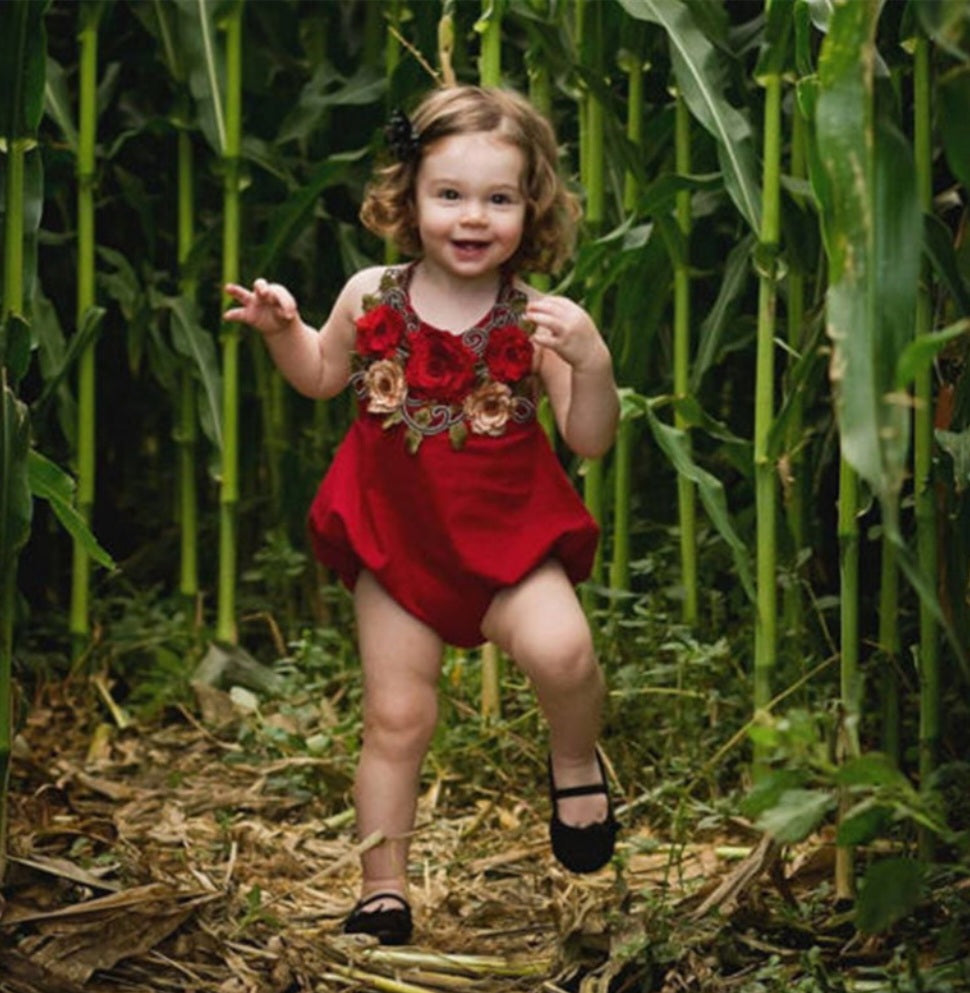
x: 433, y: 381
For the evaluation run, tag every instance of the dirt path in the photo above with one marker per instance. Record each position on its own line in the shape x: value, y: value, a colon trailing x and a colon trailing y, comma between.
x: 165, y: 859
x: 187, y: 857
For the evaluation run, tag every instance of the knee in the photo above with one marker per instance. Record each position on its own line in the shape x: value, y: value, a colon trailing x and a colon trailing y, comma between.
x: 401, y: 723
x: 568, y: 664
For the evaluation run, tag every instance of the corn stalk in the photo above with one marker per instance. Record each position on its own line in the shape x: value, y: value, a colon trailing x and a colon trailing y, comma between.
x: 489, y: 27
x: 589, y: 44
x: 229, y: 491
x: 865, y: 184
x: 686, y: 493
x: 632, y: 65
x: 926, y: 535
x: 795, y: 465
x: 187, y: 434
x: 769, y: 74
x: 87, y: 380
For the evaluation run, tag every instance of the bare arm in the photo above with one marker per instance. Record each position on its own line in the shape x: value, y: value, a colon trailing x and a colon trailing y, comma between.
x: 315, y: 362
x: 577, y: 372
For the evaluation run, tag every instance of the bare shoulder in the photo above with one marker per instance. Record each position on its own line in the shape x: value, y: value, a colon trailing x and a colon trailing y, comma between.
x: 363, y: 283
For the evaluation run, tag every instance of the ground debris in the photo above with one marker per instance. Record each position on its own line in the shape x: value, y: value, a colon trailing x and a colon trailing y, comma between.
x: 171, y: 858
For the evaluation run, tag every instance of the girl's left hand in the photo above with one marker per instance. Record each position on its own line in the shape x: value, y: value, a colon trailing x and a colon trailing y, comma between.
x: 564, y: 327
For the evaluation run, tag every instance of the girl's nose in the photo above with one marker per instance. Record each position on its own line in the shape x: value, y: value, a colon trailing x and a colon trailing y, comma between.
x: 474, y: 211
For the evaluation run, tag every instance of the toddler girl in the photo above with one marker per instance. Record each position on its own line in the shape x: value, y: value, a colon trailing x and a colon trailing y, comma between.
x: 445, y: 510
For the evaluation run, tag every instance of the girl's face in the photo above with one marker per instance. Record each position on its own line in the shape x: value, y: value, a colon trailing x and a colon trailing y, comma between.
x: 469, y: 203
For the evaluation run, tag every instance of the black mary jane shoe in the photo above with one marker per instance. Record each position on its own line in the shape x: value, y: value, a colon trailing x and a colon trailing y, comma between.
x: 389, y: 927
x: 587, y: 848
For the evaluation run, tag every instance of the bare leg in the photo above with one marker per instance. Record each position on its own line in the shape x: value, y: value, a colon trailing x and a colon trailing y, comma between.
x: 541, y: 625
x: 401, y: 661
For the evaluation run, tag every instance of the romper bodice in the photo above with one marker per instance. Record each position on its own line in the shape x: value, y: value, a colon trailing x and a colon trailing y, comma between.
x: 410, y: 373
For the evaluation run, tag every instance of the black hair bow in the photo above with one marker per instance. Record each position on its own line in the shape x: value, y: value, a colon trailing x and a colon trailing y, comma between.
x: 401, y: 137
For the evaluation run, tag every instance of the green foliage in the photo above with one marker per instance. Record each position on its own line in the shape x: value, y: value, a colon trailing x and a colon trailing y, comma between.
x: 892, y: 888
x: 700, y: 74
x: 49, y: 482
x: 802, y: 787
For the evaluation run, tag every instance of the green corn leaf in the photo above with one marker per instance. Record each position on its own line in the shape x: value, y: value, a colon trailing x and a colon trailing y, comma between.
x: 674, y: 443
x: 957, y: 445
x: 290, y: 218
x: 714, y: 329
x: 49, y: 482
x: 804, y: 39
x: 193, y: 342
x: 87, y: 334
x: 804, y: 380
x: 325, y: 90
x: 864, y: 179
x: 659, y: 196
x: 779, y: 18
x: 15, y: 346
x: 57, y: 103
x: 920, y: 352
x: 202, y: 51
x: 23, y: 48
x: 954, y: 96
x: 938, y: 245
x: 945, y: 21
x: 700, y: 75
x: 15, y: 503
x: 159, y: 18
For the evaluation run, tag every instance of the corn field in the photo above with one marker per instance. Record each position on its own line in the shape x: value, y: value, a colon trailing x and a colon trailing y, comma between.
x: 775, y: 247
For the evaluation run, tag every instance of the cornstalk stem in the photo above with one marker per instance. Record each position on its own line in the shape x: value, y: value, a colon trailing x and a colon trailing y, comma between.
x: 590, y: 43
x: 623, y: 452
x: 848, y: 525
x: 87, y: 133
x: 13, y: 237
x: 622, y: 463
x: 229, y: 492
x: 796, y: 506
x: 686, y: 492
x: 889, y: 648
x: 765, y: 482
x: 490, y: 59
x: 490, y: 74
x: 188, y: 429
x: 929, y: 663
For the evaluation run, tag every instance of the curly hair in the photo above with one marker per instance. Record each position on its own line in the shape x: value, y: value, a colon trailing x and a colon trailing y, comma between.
x: 551, y: 210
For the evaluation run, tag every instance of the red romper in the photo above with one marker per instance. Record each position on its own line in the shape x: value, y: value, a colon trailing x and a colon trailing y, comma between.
x: 446, y: 487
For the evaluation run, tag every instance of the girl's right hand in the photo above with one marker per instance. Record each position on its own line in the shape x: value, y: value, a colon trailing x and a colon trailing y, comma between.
x: 268, y: 307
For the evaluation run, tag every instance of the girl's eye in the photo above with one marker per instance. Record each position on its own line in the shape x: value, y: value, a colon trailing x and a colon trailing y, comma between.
x: 501, y: 198
x: 448, y: 194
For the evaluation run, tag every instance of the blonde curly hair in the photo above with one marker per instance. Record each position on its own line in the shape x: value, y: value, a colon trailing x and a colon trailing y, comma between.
x: 551, y: 211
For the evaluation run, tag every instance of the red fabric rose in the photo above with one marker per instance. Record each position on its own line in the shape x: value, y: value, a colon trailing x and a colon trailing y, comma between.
x: 379, y: 332
x: 508, y: 354
x: 441, y: 367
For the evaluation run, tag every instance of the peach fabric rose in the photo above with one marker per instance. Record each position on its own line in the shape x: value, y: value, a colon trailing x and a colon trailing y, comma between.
x: 488, y: 409
x: 385, y: 385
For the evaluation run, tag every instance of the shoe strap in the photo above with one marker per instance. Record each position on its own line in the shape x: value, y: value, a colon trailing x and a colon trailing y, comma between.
x: 568, y: 791
x: 388, y: 895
